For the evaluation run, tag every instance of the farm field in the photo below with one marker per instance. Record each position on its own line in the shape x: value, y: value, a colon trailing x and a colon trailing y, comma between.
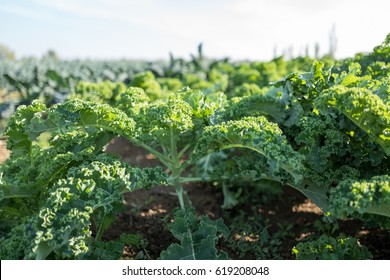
x: 196, y: 159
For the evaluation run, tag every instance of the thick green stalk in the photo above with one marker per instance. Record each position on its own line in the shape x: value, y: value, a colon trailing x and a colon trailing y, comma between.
x: 99, y: 233
x: 176, y: 172
x: 161, y: 157
x: 176, y: 169
x: 183, y: 180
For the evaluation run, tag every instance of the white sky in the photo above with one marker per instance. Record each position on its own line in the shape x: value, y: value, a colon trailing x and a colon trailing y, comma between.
x: 150, y: 29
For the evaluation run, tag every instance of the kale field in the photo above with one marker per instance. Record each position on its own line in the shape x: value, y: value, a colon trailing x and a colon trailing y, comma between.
x: 196, y: 159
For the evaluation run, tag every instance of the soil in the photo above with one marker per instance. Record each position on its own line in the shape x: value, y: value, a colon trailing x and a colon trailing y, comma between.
x: 4, y: 153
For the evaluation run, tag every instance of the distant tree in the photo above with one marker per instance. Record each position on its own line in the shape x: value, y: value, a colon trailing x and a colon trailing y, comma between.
x: 307, y: 50
x: 6, y: 53
x: 51, y: 54
x: 317, y: 50
x: 275, y: 51
x: 332, y: 42
x: 290, y: 52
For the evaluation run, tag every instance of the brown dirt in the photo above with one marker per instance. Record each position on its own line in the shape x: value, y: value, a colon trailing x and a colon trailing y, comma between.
x: 4, y: 153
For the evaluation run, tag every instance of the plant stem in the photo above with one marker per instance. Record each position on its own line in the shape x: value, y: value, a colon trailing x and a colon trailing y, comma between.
x: 240, y: 146
x: 99, y: 233
x: 176, y: 169
x: 173, y: 146
x: 183, y: 151
x: 164, y: 159
x: 179, y: 191
x: 183, y: 180
x: 16, y: 196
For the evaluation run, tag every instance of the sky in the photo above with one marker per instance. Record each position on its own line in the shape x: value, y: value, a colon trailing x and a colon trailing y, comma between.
x: 150, y: 29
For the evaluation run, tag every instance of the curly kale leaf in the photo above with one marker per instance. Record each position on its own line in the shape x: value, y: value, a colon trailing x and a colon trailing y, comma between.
x: 31, y: 121
x: 275, y: 103
x: 255, y: 133
x: 306, y: 86
x: 16, y: 244
x: 322, y: 142
x: 203, y: 105
x: 25, y: 179
x: 178, y: 118
x: 255, y: 105
x: 132, y: 100
x: 353, y: 197
x: 197, y: 237
x: 161, y: 123
x: 329, y: 248
x: 90, y: 191
x: 60, y: 211
x: 103, y: 92
x: 18, y: 140
x: 148, y: 83
x: 248, y: 90
x: 361, y: 106
x: 332, y: 153
x: 106, y: 250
